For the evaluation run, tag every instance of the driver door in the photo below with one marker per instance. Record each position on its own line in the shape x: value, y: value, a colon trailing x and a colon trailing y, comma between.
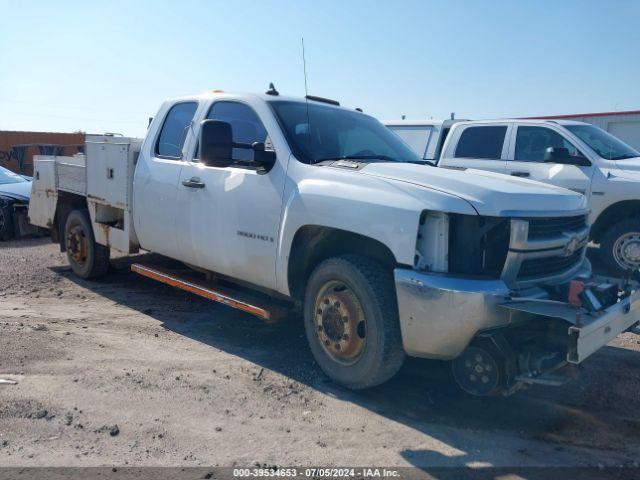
x: 230, y: 216
x: 526, y: 159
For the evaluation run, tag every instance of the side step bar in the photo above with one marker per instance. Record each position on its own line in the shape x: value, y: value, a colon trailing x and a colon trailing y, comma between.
x: 188, y: 280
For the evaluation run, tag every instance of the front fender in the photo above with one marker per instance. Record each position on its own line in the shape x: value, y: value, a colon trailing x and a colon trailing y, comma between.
x: 371, y: 207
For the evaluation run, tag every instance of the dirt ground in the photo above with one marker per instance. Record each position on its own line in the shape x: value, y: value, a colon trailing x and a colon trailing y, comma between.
x: 124, y: 371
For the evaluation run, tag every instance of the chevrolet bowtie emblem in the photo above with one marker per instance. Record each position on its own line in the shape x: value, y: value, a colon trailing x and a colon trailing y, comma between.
x: 571, y: 247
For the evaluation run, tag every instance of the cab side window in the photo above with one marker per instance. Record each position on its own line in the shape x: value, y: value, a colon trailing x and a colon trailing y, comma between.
x: 481, y: 142
x: 246, y: 127
x: 174, y: 130
x: 532, y: 142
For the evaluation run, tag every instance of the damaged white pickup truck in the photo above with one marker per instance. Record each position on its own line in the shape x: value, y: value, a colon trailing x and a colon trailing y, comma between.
x: 270, y: 202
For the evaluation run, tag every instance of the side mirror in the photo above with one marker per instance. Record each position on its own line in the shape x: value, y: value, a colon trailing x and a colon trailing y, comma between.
x: 264, y: 158
x: 562, y: 155
x: 216, y: 143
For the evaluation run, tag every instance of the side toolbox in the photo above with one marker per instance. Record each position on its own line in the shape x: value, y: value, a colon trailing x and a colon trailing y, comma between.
x: 44, y: 193
x: 110, y: 169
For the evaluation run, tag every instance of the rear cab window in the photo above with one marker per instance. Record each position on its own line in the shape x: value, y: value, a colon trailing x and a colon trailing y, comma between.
x: 483, y: 141
x: 443, y: 136
x: 417, y: 137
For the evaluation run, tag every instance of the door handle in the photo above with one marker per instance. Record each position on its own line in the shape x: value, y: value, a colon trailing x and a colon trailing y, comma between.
x: 193, y: 183
x: 520, y: 174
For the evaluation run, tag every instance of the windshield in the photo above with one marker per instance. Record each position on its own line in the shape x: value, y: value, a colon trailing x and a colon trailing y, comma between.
x: 329, y: 133
x: 603, y: 143
x: 7, y: 176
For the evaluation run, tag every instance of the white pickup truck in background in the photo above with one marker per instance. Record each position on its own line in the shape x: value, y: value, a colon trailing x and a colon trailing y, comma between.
x: 265, y: 203
x: 569, y: 154
x: 425, y: 137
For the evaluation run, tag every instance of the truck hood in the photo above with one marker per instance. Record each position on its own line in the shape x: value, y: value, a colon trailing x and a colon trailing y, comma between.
x: 629, y: 168
x: 17, y: 190
x: 489, y: 193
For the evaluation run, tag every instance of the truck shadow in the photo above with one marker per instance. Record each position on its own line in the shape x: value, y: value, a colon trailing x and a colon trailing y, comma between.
x: 423, y: 395
x: 31, y: 241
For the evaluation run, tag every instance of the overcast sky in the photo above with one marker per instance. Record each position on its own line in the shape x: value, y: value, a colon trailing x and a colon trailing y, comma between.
x: 106, y: 66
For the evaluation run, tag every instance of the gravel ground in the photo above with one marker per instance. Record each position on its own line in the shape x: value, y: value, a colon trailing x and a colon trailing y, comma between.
x: 124, y: 371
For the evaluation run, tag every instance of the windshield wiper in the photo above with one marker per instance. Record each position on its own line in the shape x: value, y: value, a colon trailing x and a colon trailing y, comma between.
x: 384, y: 158
x: 421, y: 162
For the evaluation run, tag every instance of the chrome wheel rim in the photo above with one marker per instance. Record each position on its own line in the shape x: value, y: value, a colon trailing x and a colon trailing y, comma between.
x: 340, y: 323
x: 626, y: 251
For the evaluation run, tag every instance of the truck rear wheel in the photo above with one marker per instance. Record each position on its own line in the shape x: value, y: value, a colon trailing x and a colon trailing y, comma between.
x: 86, y: 258
x: 620, y: 247
x: 351, y: 321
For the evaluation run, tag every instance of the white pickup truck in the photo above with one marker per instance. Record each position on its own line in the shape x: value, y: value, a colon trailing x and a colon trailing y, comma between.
x: 268, y: 202
x: 570, y: 154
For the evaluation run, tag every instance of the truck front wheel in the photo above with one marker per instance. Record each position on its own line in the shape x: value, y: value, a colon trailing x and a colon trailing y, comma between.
x: 86, y: 258
x: 351, y: 321
x: 620, y: 247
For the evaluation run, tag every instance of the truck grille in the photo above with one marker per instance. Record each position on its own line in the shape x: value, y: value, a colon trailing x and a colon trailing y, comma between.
x: 553, y: 227
x: 546, y: 267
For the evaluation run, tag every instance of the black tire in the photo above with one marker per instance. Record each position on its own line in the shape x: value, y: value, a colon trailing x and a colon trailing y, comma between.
x: 371, y: 287
x: 6, y: 222
x: 610, y: 245
x: 86, y: 258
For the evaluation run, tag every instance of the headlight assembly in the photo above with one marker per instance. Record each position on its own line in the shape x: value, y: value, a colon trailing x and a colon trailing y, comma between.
x: 469, y: 245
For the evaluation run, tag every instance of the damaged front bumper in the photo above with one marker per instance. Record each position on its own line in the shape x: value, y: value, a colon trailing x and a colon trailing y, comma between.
x: 596, y: 332
x: 440, y: 315
x: 588, y: 331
